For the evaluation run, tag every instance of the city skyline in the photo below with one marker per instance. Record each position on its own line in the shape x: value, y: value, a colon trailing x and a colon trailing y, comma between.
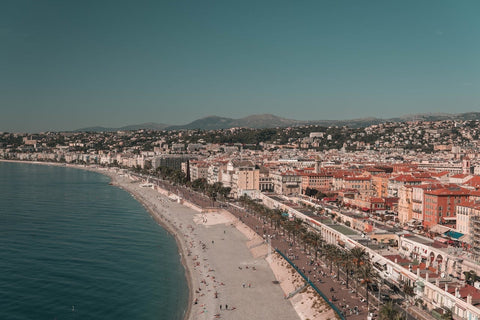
x: 71, y: 65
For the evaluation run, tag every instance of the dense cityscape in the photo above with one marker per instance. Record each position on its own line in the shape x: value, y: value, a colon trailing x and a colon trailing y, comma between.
x: 406, y: 193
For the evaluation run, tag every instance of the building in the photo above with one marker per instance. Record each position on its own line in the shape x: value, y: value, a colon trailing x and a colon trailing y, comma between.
x: 198, y: 170
x: 245, y: 176
x: 287, y: 183
x: 464, y: 212
x: 318, y: 181
x: 439, y: 205
x: 405, y: 204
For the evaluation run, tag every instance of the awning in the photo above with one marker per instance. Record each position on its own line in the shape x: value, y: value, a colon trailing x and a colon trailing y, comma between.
x: 439, y: 229
x: 453, y: 234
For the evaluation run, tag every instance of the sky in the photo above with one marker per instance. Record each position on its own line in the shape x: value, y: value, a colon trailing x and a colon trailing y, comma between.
x: 66, y: 64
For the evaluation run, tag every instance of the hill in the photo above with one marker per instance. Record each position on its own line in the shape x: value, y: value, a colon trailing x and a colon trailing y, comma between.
x: 271, y: 121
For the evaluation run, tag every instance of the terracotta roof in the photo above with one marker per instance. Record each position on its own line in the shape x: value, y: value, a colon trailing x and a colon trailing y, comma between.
x: 406, y: 178
x: 440, y: 174
x: 474, y: 182
x: 449, y: 192
x: 357, y: 178
x: 465, y: 291
x: 460, y: 176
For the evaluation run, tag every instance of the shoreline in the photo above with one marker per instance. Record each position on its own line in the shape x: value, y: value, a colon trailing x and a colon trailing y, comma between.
x: 113, y: 176
x: 163, y: 208
x: 182, y: 250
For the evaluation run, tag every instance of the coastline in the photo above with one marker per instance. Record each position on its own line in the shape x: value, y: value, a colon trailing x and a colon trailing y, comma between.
x: 193, y: 233
x: 170, y: 228
x: 157, y: 217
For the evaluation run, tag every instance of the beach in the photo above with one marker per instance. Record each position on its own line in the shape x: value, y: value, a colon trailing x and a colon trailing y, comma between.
x: 229, y: 267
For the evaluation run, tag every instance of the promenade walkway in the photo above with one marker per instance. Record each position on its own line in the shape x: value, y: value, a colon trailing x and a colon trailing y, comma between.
x: 349, y: 302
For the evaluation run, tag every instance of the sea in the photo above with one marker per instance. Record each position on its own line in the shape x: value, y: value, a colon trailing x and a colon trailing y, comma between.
x: 74, y: 247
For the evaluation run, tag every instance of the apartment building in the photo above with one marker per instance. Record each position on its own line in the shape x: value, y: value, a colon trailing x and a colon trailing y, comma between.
x: 318, y: 181
x: 439, y: 205
x: 243, y: 176
x: 405, y: 204
x: 380, y: 184
x: 198, y: 170
x: 464, y: 212
x: 396, y: 182
x: 286, y: 183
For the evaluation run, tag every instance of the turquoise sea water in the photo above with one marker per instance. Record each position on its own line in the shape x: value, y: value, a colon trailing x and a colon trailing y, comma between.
x: 74, y: 247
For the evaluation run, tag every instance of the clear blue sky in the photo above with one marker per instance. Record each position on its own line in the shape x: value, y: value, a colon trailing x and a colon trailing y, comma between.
x: 71, y: 64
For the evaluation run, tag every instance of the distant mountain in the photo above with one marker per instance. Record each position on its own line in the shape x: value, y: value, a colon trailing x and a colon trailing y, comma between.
x: 148, y: 126
x: 272, y: 121
x: 253, y: 121
x: 207, y: 123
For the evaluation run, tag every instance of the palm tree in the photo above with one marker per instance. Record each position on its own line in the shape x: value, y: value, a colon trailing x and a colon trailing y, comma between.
x: 338, y: 260
x: 347, y: 263
x: 297, y: 227
x: 359, y: 257
x: 317, y: 242
x: 447, y: 314
x: 387, y: 312
x: 308, y: 239
x: 331, y: 251
x: 367, y: 275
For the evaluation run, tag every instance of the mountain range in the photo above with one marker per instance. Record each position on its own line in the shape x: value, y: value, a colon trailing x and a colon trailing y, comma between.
x: 272, y: 121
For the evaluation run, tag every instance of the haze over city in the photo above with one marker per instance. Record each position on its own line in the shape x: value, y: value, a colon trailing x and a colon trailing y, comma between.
x: 67, y: 65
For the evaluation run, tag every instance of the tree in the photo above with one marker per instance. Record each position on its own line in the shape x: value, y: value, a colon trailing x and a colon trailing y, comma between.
x: 348, y: 265
x: 367, y: 275
x: 387, y: 312
x: 311, y: 192
x: 470, y: 277
x: 447, y: 314
x: 199, y: 184
x: 331, y: 252
x: 358, y: 258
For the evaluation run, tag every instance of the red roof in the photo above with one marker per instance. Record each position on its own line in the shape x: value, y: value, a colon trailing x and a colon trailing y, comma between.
x: 465, y: 291
x: 406, y: 178
x: 356, y: 178
x: 460, y: 176
x: 440, y: 174
x: 474, y: 182
x: 449, y: 192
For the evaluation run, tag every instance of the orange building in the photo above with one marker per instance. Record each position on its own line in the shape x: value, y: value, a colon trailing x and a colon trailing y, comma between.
x: 439, y: 205
x: 317, y: 181
x: 380, y: 184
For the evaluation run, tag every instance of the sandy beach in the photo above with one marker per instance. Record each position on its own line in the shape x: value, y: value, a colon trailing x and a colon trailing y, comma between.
x: 230, y: 270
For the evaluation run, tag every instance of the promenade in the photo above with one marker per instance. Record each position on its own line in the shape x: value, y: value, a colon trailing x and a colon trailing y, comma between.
x: 352, y: 304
